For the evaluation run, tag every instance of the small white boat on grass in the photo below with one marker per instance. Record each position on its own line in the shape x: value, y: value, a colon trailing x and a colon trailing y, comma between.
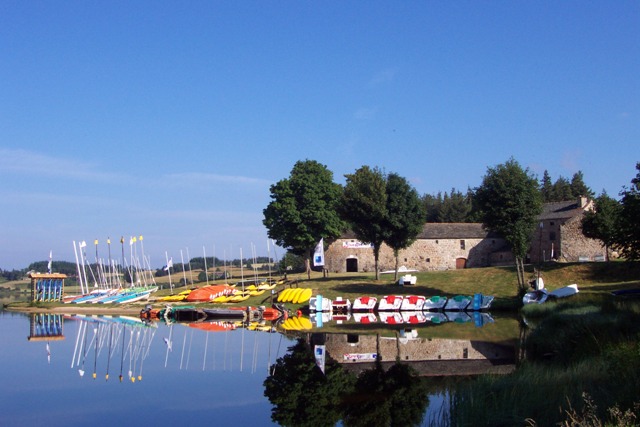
x: 542, y: 295
x: 412, y: 303
x: 390, y: 303
x: 364, y: 303
x: 408, y: 279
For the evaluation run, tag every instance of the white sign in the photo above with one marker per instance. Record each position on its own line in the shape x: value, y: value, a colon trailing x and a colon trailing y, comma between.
x: 356, y: 244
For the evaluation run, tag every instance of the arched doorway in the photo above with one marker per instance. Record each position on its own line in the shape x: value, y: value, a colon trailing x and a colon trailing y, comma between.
x: 352, y: 265
x: 461, y: 263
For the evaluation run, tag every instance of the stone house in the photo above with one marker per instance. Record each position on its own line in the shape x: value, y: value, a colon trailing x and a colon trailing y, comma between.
x: 559, y: 235
x: 440, y: 246
x: 445, y: 246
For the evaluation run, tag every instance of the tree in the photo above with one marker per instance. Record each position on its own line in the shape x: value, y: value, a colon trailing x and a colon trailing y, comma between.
x: 456, y: 207
x: 629, y: 232
x: 561, y: 190
x: 303, y: 209
x: 405, y: 215
x: 510, y: 202
x: 546, y: 188
x: 578, y: 187
x: 432, y: 205
x: 602, y: 222
x: 364, y: 207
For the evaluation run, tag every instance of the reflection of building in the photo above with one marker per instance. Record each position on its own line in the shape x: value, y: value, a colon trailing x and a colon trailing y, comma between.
x: 45, y: 327
x: 429, y: 356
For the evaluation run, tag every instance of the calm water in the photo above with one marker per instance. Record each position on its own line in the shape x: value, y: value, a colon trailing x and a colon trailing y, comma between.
x: 104, y: 371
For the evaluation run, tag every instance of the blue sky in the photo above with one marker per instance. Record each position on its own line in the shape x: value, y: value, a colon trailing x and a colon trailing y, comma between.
x: 172, y: 119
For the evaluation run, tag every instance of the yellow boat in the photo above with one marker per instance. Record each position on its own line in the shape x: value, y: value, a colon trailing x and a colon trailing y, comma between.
x: 221, y: 299
x: 256, y: 292
x: 303, y: 296
x: 283, y: 295
x: 238, y: 298
x: 294, y: 295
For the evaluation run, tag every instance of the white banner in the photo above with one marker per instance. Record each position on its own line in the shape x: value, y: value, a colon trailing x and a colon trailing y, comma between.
x: 318, y: 254
x: 356, y: 244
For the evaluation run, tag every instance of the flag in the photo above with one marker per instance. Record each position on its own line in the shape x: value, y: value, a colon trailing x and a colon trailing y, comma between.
x: 319, y: 352
x: 50, y: 261
x: 318, y: 254
x: 83, y: 244
x: 169, y: 265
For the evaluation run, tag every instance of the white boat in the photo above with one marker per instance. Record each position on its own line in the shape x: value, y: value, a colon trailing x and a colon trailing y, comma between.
x: 408, y: 279
x: 339, y: 306
x: 565, y: 291
x: 401, y: 269
x: 320, y: 304
x: 390, y: 303
x: 480, y: 302
x: 412, y: 303
x: 434, y: 303
x: 459, y: 303
x: 364, y: 303
x: 535, y: 297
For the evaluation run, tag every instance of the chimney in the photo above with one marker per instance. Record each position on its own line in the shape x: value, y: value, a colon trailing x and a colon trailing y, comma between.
x: 583, y: 201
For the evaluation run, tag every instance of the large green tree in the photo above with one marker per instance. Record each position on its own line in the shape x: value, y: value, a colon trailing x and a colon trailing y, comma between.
x: 364, y: 207
x: 602, y: 222
x: 405, y: 215
x: 629, y: 233
x: 509, y: 202
x: 303, y: 209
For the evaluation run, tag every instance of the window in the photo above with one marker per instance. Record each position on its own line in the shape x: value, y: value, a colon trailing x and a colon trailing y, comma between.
x: 552, y: 236
x: 462, y: 245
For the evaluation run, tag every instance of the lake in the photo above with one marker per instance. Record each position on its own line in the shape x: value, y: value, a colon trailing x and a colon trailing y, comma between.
x: 104, y: 371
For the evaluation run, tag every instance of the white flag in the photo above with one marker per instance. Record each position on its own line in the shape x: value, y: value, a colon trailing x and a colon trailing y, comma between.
x: 318, y: 254
x: 50, y: 261
x: 169, y: 264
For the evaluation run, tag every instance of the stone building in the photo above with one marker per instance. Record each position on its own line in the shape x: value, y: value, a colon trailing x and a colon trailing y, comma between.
x: 445, y: 246
x: 440, y: 246
x: 559, y: 235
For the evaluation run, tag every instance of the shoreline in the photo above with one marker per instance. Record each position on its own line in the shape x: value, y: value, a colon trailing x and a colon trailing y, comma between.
x: 76, y: 309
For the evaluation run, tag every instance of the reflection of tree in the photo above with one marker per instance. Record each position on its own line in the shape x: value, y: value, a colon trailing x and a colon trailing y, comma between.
x: 396, y: 397
x: 301, y: 394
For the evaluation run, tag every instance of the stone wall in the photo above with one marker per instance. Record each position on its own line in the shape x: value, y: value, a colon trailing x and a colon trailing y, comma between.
x: 422, y: 255
x: 563, y: 240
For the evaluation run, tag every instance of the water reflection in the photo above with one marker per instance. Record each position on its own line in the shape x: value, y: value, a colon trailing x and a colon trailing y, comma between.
x: 267, y: 369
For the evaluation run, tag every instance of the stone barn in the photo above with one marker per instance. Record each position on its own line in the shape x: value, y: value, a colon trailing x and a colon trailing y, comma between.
x: 440, y: 246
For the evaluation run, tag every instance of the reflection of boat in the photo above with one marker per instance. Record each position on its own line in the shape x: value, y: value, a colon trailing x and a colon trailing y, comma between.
x: 434, y: 303
x: 391, y: 317
x: 413, y: 317
x: 390, y: 303
x: 194, y: 314
x: 412, y: 303
x: 435, y: 317
x: 458, y: 316
x: 364, y: 303
x: 364, y: 317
